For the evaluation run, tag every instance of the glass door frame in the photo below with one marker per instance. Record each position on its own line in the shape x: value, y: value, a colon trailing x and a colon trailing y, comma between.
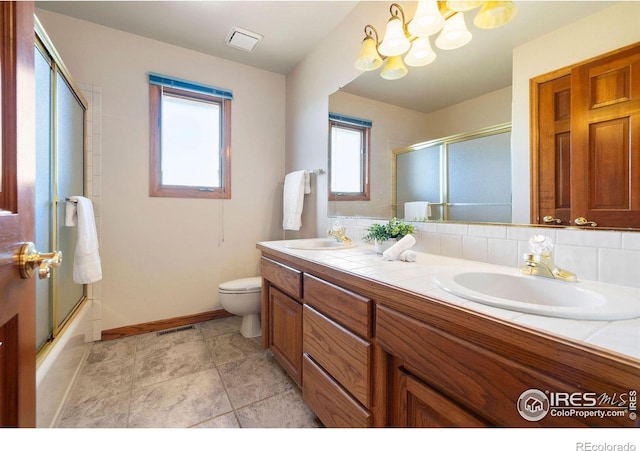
x: 44, y: 45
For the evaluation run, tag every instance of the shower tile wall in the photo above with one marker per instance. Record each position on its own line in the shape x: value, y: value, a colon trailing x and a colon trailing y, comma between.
x: 93, y: 188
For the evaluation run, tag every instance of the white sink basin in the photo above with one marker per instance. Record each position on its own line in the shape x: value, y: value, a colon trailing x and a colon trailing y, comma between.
x: 542, y: 296
x: 318, y: 244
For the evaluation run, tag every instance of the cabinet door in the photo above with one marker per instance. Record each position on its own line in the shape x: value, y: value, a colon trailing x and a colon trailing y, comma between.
x: 286, y: 332
x: 420, y: 406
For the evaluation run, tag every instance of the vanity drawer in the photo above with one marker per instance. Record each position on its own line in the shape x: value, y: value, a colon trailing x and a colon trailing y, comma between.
x: 334, y: 406
x: 349, y: 309
x: 346, y: 357
x: 284, y: 277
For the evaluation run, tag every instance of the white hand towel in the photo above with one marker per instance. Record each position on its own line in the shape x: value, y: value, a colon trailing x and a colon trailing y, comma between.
x: 70, y: 214
x: 394, y: 251
x: 86, y: 264
x: 293, y: 200
x: 417, y: 210
x: 408, y: 256
x: 307, y: 182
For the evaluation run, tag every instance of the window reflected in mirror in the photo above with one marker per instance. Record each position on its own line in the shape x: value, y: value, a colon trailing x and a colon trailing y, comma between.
x: 349, y: 143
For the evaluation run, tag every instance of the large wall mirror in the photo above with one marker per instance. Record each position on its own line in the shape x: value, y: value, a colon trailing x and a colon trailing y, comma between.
x: 462, y: 91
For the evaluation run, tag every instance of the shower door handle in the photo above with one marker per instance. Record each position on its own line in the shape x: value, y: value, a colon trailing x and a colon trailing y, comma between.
x: 29, y: 259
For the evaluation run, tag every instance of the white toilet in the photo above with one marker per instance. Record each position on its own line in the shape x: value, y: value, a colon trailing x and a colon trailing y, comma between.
x: 242, y: 297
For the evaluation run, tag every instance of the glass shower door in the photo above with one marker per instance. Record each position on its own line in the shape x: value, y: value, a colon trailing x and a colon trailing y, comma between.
x: 60, y: 144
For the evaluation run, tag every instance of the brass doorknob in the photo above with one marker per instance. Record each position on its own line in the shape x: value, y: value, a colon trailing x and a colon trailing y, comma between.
x: 551, y: 220
x: 584, y: 221
x: 29, y: 259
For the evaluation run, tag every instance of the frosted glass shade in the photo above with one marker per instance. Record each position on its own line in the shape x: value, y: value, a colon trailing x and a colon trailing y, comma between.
x: 394, y: 68
x: 395, y: 42
x: 495, y: 14
x: 427, y: 20
x: 455, y: 33
x: 369, y: 58
x: 420, y: 54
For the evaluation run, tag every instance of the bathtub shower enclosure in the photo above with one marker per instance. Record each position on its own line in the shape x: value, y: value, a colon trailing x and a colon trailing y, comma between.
x: 60, y: 150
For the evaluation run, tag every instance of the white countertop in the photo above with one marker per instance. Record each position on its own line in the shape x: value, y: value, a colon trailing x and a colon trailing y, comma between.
x: 619, y: 336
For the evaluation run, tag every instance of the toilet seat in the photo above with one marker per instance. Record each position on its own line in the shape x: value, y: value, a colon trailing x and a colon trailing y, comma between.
x: 247, y: 285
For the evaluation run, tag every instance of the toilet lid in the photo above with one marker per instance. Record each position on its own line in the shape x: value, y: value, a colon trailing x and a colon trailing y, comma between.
x: 250, y: 284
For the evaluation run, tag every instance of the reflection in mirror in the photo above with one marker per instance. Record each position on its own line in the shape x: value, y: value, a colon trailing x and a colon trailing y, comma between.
x: 349, y: 139
x: 459, y: 178
x: 462, y: 90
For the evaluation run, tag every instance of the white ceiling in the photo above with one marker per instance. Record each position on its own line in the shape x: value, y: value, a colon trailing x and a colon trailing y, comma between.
x: 292, y: 28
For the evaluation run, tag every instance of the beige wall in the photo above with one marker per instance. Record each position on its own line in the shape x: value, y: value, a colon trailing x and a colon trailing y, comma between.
x: 164, y: 258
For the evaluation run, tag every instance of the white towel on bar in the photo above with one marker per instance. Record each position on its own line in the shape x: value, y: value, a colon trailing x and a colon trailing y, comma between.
x: 416, y: 210
x: 70, y: 214
x: 307, y: 182
x: 293, y: 200
x: 87, y: 267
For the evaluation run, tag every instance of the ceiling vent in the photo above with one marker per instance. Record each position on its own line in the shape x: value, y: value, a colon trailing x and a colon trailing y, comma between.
x: 243, y: 39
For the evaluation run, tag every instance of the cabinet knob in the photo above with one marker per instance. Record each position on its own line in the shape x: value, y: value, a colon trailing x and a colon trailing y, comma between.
x: 584, y: 221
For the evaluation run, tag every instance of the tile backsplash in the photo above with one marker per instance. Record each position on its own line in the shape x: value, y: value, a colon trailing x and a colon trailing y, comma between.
x: 601, y: 255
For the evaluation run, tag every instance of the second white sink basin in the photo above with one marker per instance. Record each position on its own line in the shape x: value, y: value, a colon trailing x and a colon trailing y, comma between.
x: 542, y: 296
x: 318, y: 244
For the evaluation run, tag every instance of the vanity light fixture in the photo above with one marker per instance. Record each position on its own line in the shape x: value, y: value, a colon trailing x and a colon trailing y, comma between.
x: 412, y: 39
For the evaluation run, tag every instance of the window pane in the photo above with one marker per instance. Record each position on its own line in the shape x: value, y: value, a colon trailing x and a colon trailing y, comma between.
x: 190, y: 142
x: 346, y: 160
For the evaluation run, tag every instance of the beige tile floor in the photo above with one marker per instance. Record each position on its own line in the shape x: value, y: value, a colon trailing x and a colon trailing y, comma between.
x: 206, y: 377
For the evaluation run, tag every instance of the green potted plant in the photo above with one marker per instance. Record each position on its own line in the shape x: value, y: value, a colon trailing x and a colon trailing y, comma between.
x: 384, y: 235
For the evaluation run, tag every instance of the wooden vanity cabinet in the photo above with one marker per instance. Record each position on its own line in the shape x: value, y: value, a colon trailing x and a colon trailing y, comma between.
x: 369, y: 354
x: 282, y: 315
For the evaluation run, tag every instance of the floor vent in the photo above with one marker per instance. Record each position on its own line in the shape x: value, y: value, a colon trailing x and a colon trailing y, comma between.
x: 177, y: 329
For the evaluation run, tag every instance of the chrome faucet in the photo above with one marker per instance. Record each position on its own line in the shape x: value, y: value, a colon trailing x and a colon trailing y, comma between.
x: 339, y: 234
x: 539, y: 262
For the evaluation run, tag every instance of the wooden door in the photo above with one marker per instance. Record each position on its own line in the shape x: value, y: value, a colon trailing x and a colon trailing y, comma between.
x: 285, y: 335
x: 605, y: 125
x: 17, y: 296
x: 421, y: 406
x: 554, y: 152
